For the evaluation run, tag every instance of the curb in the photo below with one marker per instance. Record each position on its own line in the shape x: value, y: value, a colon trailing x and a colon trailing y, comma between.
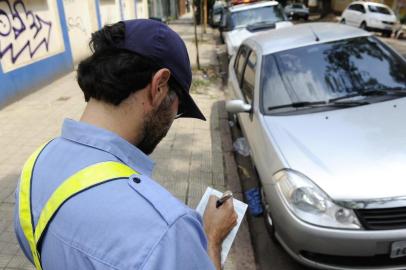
x: 242, y: 251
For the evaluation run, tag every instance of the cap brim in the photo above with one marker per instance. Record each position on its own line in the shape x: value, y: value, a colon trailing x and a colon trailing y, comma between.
x: 188, y: 107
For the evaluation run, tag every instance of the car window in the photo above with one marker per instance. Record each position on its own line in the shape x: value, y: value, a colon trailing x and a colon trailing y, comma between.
x: 240, y: 63
x: 361, y: 8
x: 299, y: 6
x: 248, y: 83
x: 330, y: 70
x: 379, y: 9
x: 357, y: 7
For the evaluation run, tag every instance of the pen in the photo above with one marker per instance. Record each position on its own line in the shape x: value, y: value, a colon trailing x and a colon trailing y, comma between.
x: 226, y: 195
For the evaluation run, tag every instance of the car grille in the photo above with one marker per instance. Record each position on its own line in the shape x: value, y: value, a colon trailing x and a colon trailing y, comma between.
x: 390, y: 23
x: 382, y: 219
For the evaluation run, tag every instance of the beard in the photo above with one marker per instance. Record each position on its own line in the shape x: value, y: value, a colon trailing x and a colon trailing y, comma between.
x: 156, y: 126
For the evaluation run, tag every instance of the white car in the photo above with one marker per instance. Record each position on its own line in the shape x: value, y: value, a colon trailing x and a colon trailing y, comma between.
x: 370, y: 16
x: 322, y: 107
x: 244, y: 20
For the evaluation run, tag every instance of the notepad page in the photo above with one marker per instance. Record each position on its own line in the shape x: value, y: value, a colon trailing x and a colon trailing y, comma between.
x: 239, y: 207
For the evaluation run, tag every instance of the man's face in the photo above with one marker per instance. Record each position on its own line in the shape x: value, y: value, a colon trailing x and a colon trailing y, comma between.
x: 157, y: 123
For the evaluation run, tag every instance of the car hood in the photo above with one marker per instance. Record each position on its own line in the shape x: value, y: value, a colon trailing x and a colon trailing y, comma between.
x: 354, y: 153
x: 237, y: 36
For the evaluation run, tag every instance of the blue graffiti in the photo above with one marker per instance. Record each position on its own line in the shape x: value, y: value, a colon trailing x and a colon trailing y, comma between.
x: 21, y: 30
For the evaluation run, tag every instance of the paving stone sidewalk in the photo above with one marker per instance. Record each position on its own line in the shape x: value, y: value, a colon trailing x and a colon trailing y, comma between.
x: 189, y: 159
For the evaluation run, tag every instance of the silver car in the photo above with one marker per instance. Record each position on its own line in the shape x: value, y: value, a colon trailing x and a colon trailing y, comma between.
x: 323, y: 108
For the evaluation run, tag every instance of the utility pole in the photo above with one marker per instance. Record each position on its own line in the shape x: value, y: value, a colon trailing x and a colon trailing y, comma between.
x: 205, y: 15
x: 196, y: 40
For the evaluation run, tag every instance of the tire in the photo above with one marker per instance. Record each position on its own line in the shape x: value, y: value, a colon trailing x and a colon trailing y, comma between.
x: 306, y: 18
x: 387, y: 34
x: 233, y: 118
x: 364, y: 26
x: 342, y: 21
x: 268, y: 220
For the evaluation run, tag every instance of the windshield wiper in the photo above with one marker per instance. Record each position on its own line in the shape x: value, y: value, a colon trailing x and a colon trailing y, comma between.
x: 298, y: 105
x: 315, y: 104
x: 396, y: 91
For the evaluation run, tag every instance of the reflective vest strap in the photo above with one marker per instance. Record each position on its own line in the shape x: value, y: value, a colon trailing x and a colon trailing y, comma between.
x: 86, y: 178
x: 24, y: 204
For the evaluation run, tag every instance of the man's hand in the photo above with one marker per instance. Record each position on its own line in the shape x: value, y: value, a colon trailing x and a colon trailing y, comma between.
x: 218, y: 222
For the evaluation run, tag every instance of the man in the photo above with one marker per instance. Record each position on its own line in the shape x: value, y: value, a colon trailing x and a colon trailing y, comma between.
x: 86, y: 200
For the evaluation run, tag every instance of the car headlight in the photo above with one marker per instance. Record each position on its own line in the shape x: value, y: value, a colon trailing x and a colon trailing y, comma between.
x: 310, y: 204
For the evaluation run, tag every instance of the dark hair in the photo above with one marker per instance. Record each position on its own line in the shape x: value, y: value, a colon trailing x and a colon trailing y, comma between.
x: 111, y: 74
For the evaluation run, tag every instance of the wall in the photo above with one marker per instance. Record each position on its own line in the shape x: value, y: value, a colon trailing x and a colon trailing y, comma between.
x: 81, y: 18
x: 34, y: 45
x: 338, y: 6
x: 110, y: 11
x: 142, y: 9
x: 182, y: 7
x: 41, y: 40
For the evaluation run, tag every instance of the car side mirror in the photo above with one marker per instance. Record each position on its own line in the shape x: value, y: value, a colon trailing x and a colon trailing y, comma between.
x: 237, y: 106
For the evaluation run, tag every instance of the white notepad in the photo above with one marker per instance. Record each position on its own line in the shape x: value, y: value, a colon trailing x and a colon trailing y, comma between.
x: 239, y: 207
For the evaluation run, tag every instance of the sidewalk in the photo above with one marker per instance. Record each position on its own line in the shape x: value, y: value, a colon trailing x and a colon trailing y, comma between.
x: 189, y: 159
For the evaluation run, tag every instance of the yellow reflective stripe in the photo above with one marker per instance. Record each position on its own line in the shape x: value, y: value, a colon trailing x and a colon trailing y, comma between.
x: 83, y: 179
x: 24, y: 205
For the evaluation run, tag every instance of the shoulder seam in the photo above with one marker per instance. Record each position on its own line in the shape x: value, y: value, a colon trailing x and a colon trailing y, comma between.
x: 82, y: 251
x: 160, y: 239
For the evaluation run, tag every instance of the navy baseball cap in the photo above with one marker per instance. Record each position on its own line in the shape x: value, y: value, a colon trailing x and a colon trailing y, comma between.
x: 164, y: 47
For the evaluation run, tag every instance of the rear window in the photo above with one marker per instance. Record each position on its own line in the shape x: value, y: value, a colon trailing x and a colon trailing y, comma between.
x: 379, y: 9
x: 297, y: 6
x: 252, y: 16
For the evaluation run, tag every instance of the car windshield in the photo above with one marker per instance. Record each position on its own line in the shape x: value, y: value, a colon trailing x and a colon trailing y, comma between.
x: 328, y: 71
x: 298, y: 6
x: 257, y: 15
x: 379, y: 9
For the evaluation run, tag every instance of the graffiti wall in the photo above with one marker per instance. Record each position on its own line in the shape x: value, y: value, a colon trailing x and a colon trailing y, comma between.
x: 34, y: 46
x: 29, y: 31
x: 81, y: 18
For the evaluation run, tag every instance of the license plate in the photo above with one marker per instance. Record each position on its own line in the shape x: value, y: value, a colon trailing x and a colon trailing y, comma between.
x: 398, y: 249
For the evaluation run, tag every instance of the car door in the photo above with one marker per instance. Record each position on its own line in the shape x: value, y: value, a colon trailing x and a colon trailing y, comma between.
x: 350, y: 14
x: 360, y: 17
x: 245, y: 86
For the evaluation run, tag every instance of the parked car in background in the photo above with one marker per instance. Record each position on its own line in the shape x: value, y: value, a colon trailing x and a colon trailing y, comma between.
x: 370, y: 16
x: 322, y: 107
x: 217, y: 13
x: 244, y: 20
x: 297, y: 11
x: 400, y: 29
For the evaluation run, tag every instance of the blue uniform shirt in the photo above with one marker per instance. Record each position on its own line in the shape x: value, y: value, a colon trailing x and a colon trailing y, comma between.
x: 120, y: 224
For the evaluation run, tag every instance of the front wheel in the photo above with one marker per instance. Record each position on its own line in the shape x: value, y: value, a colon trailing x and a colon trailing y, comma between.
x: 342, y: 21
x: 269, y: 223
x: 364, y: 26
x: 387, y: 34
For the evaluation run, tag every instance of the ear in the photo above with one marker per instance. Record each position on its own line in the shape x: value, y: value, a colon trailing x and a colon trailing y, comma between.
x: 159, y: 87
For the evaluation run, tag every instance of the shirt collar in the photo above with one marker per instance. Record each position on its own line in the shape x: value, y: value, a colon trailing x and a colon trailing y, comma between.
x: 107, y: 141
